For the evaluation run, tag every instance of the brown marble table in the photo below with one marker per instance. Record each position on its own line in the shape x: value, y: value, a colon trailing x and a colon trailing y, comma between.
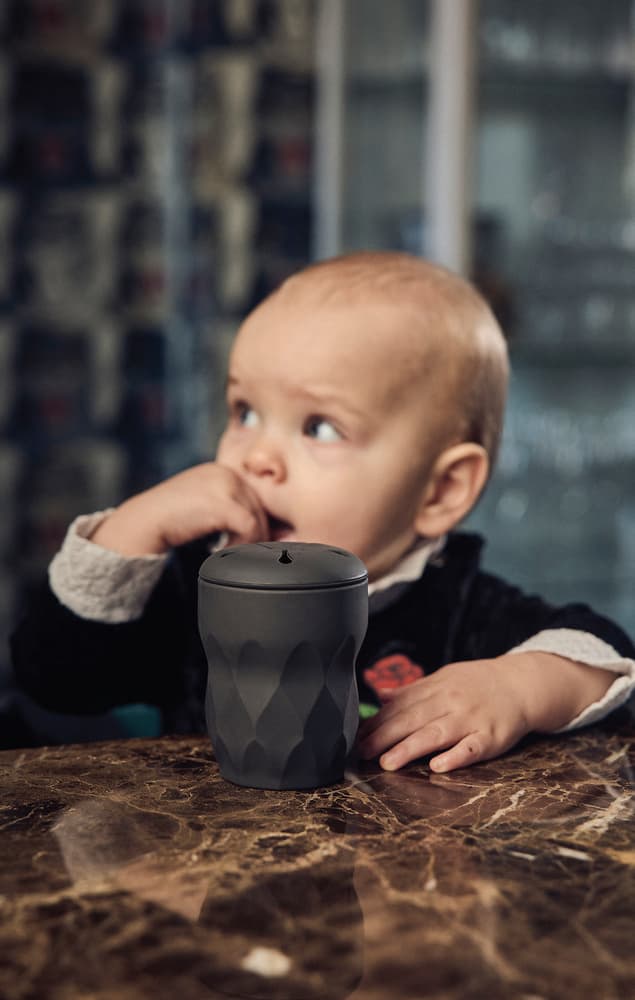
x: 131, y: 870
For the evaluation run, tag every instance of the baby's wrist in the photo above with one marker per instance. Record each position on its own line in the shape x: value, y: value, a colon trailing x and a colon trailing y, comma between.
x: 554, y: 689
x: 126, y: 532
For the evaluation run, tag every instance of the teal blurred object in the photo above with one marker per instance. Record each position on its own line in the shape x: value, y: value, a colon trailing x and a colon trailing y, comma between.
x: 139, y: 720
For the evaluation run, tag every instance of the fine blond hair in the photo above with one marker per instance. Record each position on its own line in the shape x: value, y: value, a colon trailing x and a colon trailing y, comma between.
x: 453, y: 333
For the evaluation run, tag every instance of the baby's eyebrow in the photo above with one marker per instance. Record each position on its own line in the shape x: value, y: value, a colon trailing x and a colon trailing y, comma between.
x: 328, y: 401
x: 316, y: 398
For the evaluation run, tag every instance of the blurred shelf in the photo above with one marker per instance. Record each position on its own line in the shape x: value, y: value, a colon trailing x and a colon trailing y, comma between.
x: 555, y: 91
x: 520, y: 82
x: 394, y: 85
x: 552, y: 73
x: 571, y: 355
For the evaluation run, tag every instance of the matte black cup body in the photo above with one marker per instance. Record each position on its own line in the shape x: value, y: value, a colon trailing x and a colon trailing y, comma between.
x: 281, y: 625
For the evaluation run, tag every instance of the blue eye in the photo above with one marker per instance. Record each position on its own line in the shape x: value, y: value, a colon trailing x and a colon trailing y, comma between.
x: 246, y: 416
x: 322, y: 430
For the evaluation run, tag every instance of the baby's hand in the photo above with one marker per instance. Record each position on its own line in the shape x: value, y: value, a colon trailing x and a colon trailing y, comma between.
x: 476, y: 710
x: 473, y: 711
x: 202, y: 500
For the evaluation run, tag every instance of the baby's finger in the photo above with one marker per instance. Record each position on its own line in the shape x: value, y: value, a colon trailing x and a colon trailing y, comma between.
x: 247, y: 497
x: 370, y: 724
x: 412, y: 702
x: 369, y: 712
x: 469, y: 750
x: 399, y: 725
x: 243, y: 524
x: 436, y: 736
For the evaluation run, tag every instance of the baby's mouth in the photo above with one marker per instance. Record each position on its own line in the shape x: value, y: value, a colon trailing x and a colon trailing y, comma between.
x: 278, y: 529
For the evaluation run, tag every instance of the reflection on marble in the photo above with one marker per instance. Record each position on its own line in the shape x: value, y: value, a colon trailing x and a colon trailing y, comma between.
x: 132, y: 870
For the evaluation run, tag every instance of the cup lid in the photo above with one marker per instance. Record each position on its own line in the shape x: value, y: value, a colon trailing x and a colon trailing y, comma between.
x: 281, y: 565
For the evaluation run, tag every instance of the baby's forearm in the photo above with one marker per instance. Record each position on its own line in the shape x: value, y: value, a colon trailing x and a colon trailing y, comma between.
x: 554, y: 689
x: 131, y: 531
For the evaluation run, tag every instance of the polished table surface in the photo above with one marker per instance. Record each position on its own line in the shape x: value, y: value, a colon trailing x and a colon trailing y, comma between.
x: 132, y: 869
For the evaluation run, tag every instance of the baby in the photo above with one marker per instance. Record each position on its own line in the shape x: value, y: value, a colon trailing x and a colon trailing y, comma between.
x: 365, y: 403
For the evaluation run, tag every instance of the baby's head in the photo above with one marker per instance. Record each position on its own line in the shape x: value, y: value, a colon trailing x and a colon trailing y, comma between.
x: 366, y: 400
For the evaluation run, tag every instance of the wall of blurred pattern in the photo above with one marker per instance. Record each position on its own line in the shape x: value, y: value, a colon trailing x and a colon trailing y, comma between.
x: 154, y: 184
x: 158, y: 177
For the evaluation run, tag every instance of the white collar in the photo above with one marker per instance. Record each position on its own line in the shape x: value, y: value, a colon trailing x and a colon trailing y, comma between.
x: 388, y: 588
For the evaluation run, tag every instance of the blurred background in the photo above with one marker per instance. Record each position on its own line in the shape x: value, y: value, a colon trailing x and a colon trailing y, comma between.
x: 166, y: 163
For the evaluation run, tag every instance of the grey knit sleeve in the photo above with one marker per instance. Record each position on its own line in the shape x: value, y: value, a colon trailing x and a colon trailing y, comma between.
x: 99, y: 584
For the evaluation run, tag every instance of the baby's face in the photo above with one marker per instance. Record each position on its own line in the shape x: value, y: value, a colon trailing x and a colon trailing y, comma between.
x: 326, y: 425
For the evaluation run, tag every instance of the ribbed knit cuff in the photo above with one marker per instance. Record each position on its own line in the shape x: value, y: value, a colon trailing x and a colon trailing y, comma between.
x: 98, y: 584
x: 585, y: 648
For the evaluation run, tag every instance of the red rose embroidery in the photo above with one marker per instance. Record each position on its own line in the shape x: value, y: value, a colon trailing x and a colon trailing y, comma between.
x: 391, y: 672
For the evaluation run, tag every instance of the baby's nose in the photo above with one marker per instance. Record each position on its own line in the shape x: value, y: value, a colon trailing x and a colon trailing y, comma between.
x: 265, y: 459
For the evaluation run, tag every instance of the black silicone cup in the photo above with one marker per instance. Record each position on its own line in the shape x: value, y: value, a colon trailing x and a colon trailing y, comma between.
x: 282, y: 705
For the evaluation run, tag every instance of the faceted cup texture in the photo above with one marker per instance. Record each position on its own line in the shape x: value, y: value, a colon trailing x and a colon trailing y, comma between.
x: 282, y: 704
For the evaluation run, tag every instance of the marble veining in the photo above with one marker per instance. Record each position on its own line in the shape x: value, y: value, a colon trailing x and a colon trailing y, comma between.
x: 132, y: 870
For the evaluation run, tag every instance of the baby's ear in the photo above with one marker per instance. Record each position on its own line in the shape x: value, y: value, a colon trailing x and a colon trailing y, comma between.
x: 455, y: 483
